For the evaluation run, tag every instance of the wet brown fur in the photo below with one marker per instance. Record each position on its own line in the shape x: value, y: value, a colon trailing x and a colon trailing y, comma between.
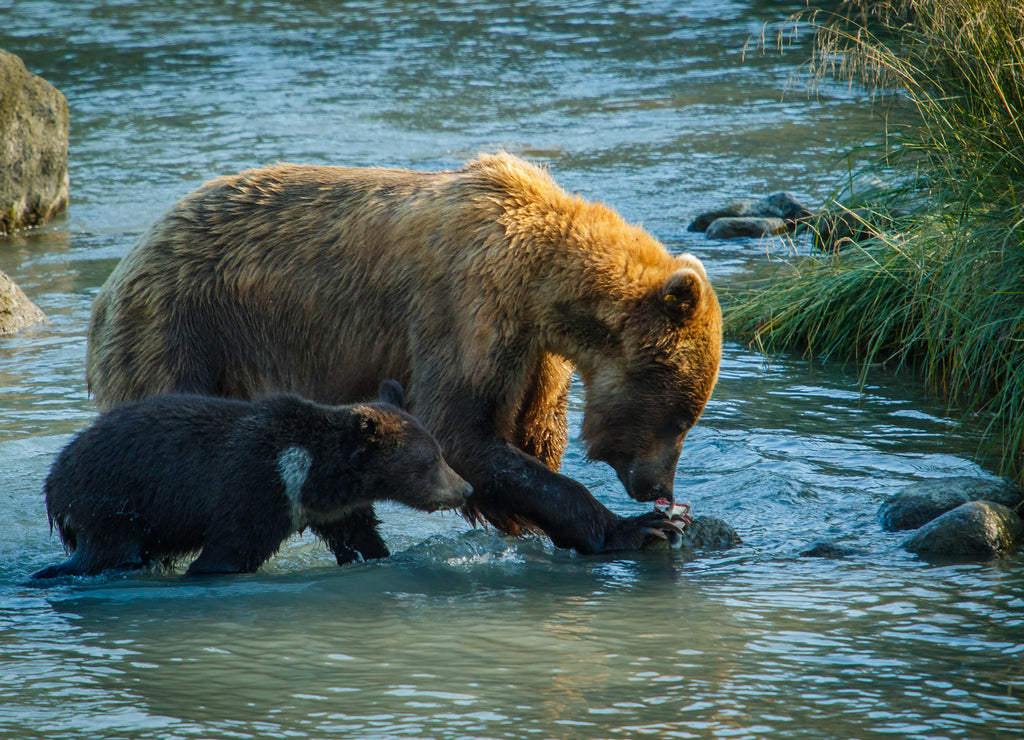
x: 478, y: 289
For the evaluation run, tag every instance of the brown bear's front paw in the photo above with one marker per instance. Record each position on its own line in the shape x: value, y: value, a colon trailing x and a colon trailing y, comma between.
x: 638, y: 532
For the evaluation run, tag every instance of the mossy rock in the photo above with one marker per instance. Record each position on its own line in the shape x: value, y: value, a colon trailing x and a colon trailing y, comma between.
x: 921, y: 502
x: 16, y: 310
x: 34, y: 123
x: 709, y: 533
x: 975, y: 530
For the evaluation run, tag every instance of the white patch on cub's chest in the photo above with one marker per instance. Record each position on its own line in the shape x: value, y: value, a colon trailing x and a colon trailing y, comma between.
x: 293, y: 465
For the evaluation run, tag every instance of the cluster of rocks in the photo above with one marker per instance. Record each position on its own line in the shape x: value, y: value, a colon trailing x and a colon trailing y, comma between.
x: 853, y: 215
x: 957, y: 518
x: 34, y: 181
x: 777, y: 214
x: 951, y: 519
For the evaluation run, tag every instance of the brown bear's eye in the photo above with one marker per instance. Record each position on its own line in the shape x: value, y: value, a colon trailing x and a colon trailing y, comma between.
x: 677, y: 426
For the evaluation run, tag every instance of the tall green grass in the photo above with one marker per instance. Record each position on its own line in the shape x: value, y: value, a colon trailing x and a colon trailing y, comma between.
x: 940, y: 289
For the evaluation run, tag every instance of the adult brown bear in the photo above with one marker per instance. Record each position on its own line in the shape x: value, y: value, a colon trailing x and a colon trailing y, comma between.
x: 478, y: 289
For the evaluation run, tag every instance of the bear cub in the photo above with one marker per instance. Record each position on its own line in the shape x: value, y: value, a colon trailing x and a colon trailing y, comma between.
x: 152, y: 481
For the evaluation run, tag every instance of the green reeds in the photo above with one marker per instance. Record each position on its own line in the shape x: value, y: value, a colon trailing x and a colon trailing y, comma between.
x: 939, y: 288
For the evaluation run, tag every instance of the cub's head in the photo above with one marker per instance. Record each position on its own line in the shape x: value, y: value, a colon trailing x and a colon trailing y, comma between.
x: 650, y: 383
x: 399, y: 460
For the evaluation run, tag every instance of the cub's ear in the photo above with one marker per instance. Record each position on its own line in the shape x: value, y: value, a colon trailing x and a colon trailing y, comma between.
x: 366, y: 424
x: 364, y: 431
x: 369, y: 426
x: 681, y: 292
x: 391, y: 392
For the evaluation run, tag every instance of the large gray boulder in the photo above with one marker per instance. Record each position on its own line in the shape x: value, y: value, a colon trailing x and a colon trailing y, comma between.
x: 977, y: 529
x: 33, y: 147
x: 919, y: 503
x: 16, y: 310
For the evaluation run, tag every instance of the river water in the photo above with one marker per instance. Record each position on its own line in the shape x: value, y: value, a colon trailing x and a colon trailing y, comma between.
x: 650, y: 106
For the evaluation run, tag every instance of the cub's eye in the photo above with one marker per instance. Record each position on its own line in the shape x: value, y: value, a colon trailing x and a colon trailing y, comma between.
x: 421, y: 466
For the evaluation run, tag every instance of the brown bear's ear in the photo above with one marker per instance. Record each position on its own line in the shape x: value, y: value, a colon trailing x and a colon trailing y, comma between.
x: 680, y: 294
x: 391, y: 392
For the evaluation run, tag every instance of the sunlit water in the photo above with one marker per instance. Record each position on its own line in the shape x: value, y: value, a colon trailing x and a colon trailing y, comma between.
x: 651, y: 107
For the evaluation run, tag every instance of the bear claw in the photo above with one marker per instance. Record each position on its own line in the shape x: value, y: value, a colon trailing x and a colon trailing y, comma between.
x: 638, y: 532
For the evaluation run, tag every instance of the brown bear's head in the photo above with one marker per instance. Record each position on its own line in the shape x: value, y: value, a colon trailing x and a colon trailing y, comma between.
x: 643, y: 397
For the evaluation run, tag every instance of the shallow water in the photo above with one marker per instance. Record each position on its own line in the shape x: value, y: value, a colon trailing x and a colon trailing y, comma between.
x: 649, y: 106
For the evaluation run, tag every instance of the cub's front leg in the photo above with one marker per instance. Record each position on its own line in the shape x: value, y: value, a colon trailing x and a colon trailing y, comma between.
x: 354, y: 537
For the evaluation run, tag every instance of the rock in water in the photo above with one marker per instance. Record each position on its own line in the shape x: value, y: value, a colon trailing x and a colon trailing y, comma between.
x: 786, y: 207
x: 776, y: 207
x: 16, y: 310
x: 738, y: 228
x: 33, y: 147
x: 733, y: 209
x: 830, y: 551
x: 919, y: 503
x: 977, y: 529
x: 709, y: 533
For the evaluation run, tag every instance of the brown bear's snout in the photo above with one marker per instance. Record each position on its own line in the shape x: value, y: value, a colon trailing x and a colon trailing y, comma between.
x: 649, y: 480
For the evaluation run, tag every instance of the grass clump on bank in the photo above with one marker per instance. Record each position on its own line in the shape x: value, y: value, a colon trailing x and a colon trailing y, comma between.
x: 940, y: 287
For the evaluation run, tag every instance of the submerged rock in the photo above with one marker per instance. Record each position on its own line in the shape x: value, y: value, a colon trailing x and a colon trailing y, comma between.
x: 709, y: 533
x: 830, y: 550
x: 16, y: 310
x: 977, y: 529
x: 33, y: 147
x: 919, y: 503
x: 738, y: 228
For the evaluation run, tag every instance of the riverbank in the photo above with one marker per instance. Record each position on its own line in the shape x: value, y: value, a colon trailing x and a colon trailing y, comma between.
x: 939, y: 288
